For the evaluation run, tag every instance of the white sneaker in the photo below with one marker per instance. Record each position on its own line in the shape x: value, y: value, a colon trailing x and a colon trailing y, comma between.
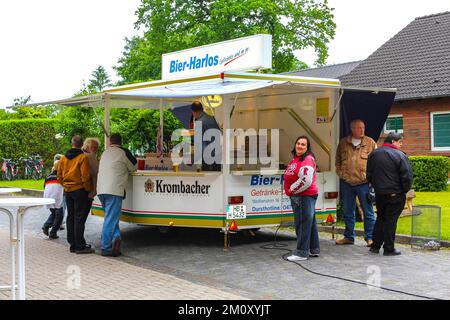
x: 296, y: 258
x: 315, y: 255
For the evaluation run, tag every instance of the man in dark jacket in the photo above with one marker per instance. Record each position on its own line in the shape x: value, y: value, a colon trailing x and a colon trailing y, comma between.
x: 390, y: 173
x: 74, y: 175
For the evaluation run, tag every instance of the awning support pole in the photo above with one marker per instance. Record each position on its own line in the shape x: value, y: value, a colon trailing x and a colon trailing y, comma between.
x: 161, y: 123
x: 225, y: 161
x: 107, y: 123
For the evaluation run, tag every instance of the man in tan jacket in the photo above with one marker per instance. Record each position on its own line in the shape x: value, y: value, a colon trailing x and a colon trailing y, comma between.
x: 351, y: 162
x: 74, y: 175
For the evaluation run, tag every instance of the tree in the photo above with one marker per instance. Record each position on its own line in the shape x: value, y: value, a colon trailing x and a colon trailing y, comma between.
x: 30, y: 112
x: 84, y: 121
x: 171, y: 25
x: 138, y: 127
x: 100, y: 79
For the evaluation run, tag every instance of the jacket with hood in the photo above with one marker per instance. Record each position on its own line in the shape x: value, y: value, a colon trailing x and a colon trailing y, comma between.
x: 73, y: 171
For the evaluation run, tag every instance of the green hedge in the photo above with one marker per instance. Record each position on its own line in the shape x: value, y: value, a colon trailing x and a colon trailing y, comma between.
x: 430, y: 172
x: 30, y: 137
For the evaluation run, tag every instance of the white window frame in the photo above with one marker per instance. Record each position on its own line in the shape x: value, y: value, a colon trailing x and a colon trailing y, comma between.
x: 392, y: 116
x: 433, y: 148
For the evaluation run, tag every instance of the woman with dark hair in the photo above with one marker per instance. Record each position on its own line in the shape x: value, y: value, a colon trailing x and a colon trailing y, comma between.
x: 300, y: 186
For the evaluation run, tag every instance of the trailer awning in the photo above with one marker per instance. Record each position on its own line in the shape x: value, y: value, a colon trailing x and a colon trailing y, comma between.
x: 177, y: 92
x: 198, y: 89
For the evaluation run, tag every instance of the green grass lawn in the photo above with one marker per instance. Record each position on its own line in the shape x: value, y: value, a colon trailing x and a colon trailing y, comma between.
x: 441, y: 199
x: 24, y: 184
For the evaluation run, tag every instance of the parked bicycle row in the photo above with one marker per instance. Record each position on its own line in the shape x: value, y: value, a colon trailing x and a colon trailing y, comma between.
x: 23, y: 168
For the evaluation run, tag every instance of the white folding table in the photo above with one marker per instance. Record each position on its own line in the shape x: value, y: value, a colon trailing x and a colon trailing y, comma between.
x: 23, y: 205
x: 12, y: 243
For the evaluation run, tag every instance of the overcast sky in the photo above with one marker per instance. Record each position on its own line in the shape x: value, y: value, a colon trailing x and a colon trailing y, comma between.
x: 48, y: 47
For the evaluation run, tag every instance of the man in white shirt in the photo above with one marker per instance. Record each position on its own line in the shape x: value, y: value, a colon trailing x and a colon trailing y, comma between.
x: 116, y: 164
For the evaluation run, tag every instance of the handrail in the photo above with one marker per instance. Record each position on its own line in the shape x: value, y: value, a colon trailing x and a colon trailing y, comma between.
x: 313, y: 135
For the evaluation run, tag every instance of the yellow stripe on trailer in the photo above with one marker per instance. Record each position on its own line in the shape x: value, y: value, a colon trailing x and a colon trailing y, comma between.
x: 209, y: 222
x: 173, y: 221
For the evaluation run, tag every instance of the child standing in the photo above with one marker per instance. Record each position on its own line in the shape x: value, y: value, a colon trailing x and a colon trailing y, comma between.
x: 52, y: 189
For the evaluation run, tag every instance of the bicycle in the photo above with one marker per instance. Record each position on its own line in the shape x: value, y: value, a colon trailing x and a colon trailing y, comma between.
x: 27, y: 167
x: 9, y: 169
x: 38, y: 168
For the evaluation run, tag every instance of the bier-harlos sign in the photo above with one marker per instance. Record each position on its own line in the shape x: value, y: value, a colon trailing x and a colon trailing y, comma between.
x: 242, y: 54
x: 179, y: 187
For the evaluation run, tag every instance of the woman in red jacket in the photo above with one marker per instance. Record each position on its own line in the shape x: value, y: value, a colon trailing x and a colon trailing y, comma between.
x: 300, y: 186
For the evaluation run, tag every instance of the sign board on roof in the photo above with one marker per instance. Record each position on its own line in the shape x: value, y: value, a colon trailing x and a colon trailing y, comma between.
x: 243, y: 54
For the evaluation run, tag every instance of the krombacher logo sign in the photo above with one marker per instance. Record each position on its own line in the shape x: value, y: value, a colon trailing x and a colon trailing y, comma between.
x: 180, y: 187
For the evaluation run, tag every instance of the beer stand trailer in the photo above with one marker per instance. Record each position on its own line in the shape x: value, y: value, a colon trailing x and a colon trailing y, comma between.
x: 242, y: 196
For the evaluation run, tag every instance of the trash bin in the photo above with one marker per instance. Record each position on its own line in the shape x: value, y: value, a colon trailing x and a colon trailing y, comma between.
x: 426, y: 227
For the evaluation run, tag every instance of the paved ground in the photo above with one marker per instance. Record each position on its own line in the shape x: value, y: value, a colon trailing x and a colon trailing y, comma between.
x: 54, y: 273
x: 191, y: 264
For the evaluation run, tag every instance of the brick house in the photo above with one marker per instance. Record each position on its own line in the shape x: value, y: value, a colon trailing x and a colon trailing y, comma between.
x: 416, y: 61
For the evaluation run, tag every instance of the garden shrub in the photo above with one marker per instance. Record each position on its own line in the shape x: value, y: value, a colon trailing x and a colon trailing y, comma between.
x: 29, y: 137
x: 430, y: 172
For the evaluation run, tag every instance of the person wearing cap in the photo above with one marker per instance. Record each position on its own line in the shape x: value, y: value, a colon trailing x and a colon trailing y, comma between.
x: 207, y: 122
x: 390, y: 173
x: 58, y: 157
x: 53, y: 190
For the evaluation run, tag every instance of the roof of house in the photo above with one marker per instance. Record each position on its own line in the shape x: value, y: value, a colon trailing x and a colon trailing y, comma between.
x: 416, y: 61
x: 335, y: 71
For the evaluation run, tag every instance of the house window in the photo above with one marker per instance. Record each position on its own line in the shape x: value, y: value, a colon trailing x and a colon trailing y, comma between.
x: 440, y: 131
x: 394, y: 123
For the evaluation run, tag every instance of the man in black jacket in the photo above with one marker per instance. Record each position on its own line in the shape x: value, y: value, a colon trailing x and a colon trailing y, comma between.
x: 390, y: 173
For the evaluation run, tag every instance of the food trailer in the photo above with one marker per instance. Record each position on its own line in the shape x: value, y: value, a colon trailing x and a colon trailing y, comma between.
x: 243, y: 195
x: 262, y: 112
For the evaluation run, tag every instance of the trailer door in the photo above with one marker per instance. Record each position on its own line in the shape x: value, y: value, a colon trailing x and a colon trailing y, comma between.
x: 371, y: 106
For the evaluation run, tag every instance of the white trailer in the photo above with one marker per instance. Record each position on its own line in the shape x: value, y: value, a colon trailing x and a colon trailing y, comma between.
x: 246, y: 196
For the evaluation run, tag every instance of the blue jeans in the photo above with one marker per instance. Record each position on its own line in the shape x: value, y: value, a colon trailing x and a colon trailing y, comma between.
x: 112, y: 205
x: 304, y: 208
x: 348, y: 197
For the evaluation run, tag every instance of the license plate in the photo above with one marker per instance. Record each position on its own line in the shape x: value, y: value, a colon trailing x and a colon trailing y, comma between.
x: 236, y: 212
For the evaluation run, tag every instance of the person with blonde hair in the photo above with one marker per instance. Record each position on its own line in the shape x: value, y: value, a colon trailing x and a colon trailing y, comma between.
x: 90, y: 148
x: 53, y: 190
